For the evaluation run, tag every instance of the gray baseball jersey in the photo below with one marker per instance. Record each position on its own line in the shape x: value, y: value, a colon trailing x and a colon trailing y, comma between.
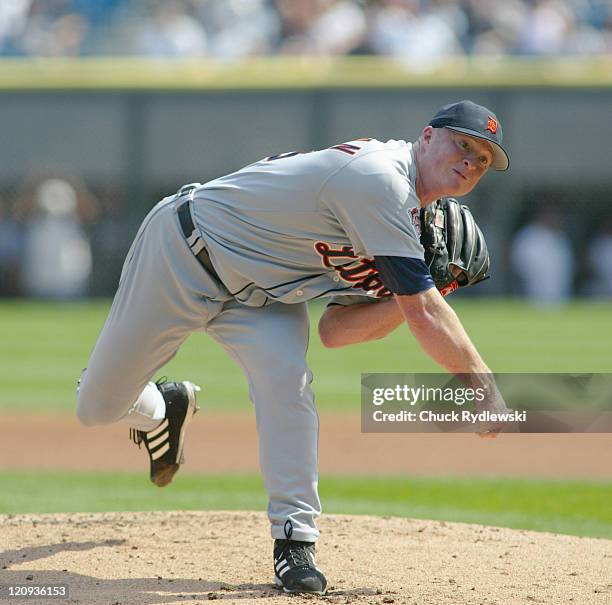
x: 294, y: 227
x: 283, y: 230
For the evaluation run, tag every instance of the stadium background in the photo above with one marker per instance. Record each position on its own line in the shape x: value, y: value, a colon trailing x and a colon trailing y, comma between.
x: 85, y: 100
x: 125, y: 100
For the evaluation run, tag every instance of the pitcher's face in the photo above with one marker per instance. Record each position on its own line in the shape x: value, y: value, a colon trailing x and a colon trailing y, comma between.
x: 454, y: 162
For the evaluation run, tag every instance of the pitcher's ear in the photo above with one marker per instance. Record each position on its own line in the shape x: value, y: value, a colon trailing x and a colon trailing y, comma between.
x: 427, y: 133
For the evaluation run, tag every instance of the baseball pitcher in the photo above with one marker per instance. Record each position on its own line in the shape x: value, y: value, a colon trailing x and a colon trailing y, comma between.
x: 238, y: 258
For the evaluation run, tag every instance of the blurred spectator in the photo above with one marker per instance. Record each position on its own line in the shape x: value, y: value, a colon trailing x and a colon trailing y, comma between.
x: 172, y: 32
x: 494, y: 32
x: 451, y: 13
x: 599, y: 257
x: 56, y: 252
x: 401, y: 29
x: 53, y: 29
x: 542, y: 259
x: 238, y: 28
x: 320, y: 27
x: 546, y: 27
x: 13, y: 21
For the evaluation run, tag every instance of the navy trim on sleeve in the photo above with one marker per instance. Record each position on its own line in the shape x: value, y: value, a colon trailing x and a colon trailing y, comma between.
x: 404, y: 275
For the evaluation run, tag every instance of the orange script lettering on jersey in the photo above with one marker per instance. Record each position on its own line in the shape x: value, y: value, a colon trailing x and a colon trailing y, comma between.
x: 360, y: 272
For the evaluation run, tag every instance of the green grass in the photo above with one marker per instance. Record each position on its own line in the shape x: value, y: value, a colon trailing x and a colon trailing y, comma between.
x: 569, y: 507
x: 45, y: 346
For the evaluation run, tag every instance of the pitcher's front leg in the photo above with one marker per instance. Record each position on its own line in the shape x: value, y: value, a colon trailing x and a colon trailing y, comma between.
x: 270, y: 345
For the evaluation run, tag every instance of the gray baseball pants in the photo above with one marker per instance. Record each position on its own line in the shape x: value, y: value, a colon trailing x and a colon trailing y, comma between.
x: 164, y: 295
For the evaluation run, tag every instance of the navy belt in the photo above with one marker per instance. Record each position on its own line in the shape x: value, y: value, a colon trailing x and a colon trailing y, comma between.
x: 193, y: 238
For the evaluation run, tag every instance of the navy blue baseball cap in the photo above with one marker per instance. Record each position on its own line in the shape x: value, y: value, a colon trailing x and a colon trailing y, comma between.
x: 475, y: 121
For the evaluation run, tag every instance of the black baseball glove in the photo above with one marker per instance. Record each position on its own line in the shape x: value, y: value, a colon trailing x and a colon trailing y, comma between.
x: 455, y: 248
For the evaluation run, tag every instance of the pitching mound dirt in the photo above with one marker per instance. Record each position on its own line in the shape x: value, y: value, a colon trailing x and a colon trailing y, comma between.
x: 194, y: 557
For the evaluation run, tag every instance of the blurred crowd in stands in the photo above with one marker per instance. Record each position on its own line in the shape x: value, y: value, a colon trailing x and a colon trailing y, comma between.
x: 415, y: 31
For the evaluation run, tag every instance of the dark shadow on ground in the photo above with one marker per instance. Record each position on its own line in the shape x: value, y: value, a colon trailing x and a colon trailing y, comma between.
x: 90, y: 590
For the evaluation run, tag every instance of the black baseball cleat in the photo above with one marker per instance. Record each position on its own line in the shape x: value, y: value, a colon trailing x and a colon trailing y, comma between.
x: 294, y: 565
x: 166, y: 442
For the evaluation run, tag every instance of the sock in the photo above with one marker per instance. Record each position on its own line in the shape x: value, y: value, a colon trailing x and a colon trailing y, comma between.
x: 148, y: 411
